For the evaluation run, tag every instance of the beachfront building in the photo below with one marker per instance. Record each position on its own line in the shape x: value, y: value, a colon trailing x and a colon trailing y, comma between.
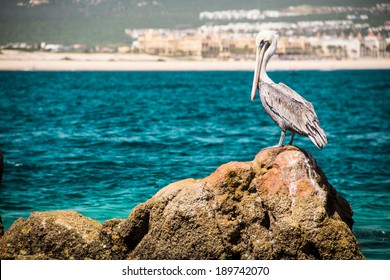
x: 232, y: 44
x: 191, y: 43
x: 293, y: 46
x: 373, y: 46
x: 168, y: 43
x: 335, y: 47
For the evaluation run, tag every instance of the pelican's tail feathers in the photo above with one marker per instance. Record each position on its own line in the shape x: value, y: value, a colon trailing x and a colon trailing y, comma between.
x: 317, y: 135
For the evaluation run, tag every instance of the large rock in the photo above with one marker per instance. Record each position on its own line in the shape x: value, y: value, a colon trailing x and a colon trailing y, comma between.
x: 57, y: 234
x: 279, y: 206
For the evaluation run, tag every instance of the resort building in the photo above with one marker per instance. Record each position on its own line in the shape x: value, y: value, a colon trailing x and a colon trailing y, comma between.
x: 232, y: 45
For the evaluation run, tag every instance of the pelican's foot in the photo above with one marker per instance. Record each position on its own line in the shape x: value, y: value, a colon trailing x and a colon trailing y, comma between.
x: 271, y: 147
x: 292, y: 138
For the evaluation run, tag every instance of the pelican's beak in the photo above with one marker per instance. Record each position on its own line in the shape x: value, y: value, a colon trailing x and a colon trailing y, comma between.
x: 259, y: 61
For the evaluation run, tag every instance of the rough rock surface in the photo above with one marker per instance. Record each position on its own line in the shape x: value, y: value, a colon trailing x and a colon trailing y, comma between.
x: 279, y: 206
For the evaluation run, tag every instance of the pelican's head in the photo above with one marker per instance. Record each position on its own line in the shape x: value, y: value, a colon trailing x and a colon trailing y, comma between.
x: 266, y: 42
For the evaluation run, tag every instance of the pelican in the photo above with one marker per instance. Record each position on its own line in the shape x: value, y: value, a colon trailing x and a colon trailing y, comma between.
x: 287, y: 108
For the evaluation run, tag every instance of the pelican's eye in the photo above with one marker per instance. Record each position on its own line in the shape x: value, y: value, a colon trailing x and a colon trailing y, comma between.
x: 262, y: 43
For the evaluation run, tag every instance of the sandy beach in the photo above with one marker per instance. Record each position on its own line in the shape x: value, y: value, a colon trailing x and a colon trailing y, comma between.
x: 44, y: 61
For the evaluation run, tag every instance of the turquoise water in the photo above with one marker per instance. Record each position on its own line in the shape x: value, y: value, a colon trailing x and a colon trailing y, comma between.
x: 103, y: 142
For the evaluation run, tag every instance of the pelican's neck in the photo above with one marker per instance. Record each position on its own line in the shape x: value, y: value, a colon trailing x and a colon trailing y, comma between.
x: 267, y: 56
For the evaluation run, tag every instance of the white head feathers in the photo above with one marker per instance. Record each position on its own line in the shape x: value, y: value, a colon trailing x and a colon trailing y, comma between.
x: 267, y: 35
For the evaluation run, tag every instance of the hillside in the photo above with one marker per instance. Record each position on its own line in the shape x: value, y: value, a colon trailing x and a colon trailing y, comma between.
x: 104, y: 21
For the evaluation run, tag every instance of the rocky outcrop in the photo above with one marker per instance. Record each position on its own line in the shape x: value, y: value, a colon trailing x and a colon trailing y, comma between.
x: 279, y: 206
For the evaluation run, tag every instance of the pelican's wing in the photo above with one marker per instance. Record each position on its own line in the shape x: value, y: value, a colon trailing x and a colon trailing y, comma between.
x: 286, y: 106
x: 294, y: 111
x: 295, y: 95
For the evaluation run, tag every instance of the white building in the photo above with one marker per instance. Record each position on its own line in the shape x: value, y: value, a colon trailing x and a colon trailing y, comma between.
x: 339, y: 47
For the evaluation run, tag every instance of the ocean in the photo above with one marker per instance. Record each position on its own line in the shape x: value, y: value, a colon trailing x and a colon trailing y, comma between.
x: 103, y: 142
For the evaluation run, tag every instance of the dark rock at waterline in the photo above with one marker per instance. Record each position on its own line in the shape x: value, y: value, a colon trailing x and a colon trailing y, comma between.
x: 1, y: 165
x: 279, y: 206
x: 1, y: 227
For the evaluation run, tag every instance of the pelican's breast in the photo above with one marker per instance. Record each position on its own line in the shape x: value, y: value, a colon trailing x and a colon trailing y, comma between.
x: 266, y: 92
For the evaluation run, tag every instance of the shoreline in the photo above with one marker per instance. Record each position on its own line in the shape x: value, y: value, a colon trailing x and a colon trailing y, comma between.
x: 40, y: 61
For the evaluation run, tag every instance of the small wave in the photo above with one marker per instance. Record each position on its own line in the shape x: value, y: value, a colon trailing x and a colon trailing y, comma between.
x: 372, y: 234
x: 12, y: 163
